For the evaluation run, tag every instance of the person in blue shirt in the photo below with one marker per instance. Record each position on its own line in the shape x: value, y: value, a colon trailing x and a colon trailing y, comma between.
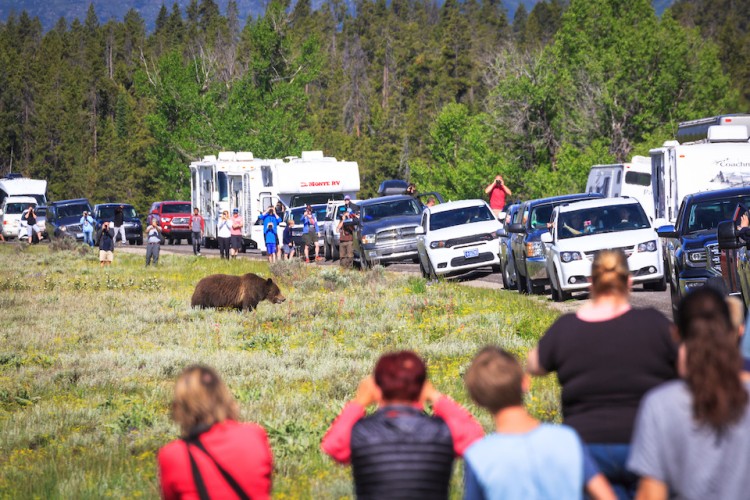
x: 87, y: 227
x: 310, y: 234
x: 270, y: 222
x: 523, y: 458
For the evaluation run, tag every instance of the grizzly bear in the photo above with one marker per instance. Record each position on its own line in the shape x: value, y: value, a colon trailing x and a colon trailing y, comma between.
x: 240, y: 292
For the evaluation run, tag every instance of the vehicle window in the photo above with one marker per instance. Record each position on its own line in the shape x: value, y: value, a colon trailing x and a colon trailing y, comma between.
x: 619, y: 177
x: 41, y: 212
x: 108, y: 213
x: 460, y: 216
x: 71, y: 210
x: 525, y: 215
x: 707, y: 215
x: 319, y: 212
x: 638, y: 178
x: 612, y: 219
x: 223, y: 186
x: 16, y: 208
x: 391, y: 209
x: 175, y: 208
x: 540, y: 216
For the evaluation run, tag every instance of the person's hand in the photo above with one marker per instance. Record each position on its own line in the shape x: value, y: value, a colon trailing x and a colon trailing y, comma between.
x: 744, y: 220
x: 429, y: 394
x: 367, y: 392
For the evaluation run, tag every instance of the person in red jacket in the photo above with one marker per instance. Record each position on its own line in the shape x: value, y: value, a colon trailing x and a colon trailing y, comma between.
x: 217, y: 457
x: 400, y: 451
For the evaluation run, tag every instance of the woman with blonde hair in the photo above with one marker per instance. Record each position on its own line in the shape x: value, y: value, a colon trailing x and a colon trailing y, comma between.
x: 607, y: 356
x: 217, y: 457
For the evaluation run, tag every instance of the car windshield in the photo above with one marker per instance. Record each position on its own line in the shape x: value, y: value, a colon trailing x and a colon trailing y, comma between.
x: 75, y: 210
x: 319, y: 212
x: 41, y: 212
x: 108, y: 213
x: 175, y: 208
x: 16, y: 208
x: 707, y: 215
x: 611, y: 219
x: 391, y: 209
x: 460, y: 216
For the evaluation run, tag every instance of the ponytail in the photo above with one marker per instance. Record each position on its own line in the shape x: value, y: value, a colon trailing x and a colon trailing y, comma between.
x: 610, y: 273
x: 713, y: 361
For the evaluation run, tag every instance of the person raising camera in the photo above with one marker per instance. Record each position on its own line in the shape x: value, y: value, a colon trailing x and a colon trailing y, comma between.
x: 497, y: 191
x: 270, y: 222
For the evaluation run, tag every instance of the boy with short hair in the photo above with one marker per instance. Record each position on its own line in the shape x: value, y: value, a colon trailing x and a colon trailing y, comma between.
x: 524, y: 458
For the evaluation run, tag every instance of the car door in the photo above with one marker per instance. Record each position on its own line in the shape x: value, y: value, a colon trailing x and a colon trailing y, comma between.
x: 422, y: 238
x: 518, y: 240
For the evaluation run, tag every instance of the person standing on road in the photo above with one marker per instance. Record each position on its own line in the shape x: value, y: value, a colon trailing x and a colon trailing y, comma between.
x: 224, y: 235
x: 270, y: 221
x: 607, y: 356
x: 288, y: 242
x: 399, y: 451
x: 310, y: 234
x: 346, y: 239
x: 197, y: 227
x: 153, y: 242
x: 87, y: 227
x: 119, y: 223
x: 106, y: 246
x: 236, y: 237
x: 30, y: 217
x: 497, y: 190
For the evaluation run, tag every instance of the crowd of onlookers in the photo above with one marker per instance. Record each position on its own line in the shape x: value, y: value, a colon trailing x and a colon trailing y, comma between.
x: 650, y: 410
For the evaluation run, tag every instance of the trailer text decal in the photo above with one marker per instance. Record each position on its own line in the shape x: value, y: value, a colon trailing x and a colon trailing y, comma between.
x: 319, y: 184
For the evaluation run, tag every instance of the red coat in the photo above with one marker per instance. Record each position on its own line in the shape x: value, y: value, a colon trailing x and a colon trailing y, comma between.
x: 243, y: 451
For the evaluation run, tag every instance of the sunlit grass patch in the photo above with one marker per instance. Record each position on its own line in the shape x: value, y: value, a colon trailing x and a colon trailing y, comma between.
x: 89, y: 355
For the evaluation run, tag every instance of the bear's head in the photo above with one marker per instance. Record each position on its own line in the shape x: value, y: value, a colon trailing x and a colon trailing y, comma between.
x: 273, y: 294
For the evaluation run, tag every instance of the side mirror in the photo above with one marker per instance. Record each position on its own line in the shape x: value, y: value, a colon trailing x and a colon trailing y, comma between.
x: 1, y: 211
x: 419, y: 230
x: 546, y: 237
x: 667, y: 231
x: 517, y: 228
x: 728, y: 236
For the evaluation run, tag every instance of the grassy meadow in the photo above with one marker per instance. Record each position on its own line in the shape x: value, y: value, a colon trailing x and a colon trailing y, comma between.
x: 88, y: 358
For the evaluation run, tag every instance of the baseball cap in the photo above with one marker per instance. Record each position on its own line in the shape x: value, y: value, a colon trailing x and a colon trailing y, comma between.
x: 347, y: 197
x: 236, y: 211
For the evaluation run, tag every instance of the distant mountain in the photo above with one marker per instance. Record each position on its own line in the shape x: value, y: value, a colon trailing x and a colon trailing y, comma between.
x: 49, y: 11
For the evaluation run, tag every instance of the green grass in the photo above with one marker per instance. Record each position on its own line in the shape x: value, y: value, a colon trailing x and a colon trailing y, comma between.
x: 88, y: 358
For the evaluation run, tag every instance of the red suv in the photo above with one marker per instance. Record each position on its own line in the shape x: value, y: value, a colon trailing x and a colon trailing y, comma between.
x: 174, y: 219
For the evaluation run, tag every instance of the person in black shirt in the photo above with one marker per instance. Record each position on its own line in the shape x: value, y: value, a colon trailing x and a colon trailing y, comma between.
x: 119, y: 224
x: 607, y: 356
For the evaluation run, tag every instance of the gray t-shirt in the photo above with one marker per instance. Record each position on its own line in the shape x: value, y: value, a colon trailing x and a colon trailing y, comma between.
x: 693, y: 460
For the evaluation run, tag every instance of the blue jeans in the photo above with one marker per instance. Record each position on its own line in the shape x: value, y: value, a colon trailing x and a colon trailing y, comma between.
x: 611, y: 459
x: 88, y: 238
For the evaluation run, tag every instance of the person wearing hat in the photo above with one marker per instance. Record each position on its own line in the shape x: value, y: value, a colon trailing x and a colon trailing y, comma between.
x: 236, y: 238
x: 346, y: 238
x: 349, y: 205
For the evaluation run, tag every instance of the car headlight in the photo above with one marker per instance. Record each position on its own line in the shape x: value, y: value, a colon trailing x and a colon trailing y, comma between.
x: 437, y: 244
x: 368, y: 239
x: 570, y: 256
x: 649, y: 246
x: 534, y: 249
x: 695, y: 258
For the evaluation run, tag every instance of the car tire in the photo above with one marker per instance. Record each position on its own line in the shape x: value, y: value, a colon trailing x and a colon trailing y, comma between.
x: 335, y: 252
x: 531, y: 288
x: 656, y: 286
x: 190, y: 240
x: 497, y: 268
x: 521, y: 283
x: 508, y: 284
x: 139, y: 241
x: 327, y: 250
x: 558, y: 294
x: 425, y: 273
x: 430, y: 270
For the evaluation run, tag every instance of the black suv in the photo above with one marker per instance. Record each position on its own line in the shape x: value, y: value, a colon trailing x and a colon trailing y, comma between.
x: 105, y: 212
x: 692, y: 250
x: 67, y: 214
x: 526, y: 244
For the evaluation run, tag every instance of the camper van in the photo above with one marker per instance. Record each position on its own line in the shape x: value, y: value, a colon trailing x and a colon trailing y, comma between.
x: 631, y: 179
x: 251, y: 185
x: 17, y: 185
x: 720, y: 161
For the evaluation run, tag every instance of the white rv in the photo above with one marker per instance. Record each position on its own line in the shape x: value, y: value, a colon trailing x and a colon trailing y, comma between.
x: 238, y: 180
x: 720, y: 161
x: 16, y: 185
x: 631, y: 179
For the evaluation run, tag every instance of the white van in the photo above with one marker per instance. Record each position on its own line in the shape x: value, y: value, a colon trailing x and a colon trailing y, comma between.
x: 631, y: 179
x: 10, y: 214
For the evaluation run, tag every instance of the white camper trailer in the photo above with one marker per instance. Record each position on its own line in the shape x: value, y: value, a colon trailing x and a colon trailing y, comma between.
x: 631, y: 179
x: 720, y: 161
x: 16, y: 185
x: 238, y: 180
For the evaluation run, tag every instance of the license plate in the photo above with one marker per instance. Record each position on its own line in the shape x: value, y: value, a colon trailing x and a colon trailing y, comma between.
x: 79, y: 235
x: 469, y: 254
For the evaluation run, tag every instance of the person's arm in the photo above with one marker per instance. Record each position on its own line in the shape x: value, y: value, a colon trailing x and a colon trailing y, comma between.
x: 651, y: 489
x: 465, y: 429
x: 533, y: 366
x: 472, y: 489
x: 506, y: 189
x: 598, y: 488
x: 337, y: 440
x: 489, y: 188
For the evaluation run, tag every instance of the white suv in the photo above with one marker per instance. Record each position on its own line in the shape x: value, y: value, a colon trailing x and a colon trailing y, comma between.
x: 10, y: 214
x: 458, y: 236
x: 579, y: 230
